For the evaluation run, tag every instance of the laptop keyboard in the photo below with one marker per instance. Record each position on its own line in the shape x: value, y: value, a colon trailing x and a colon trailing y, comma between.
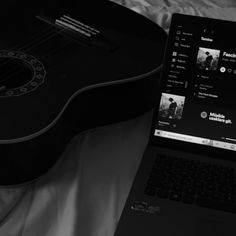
x: 193, y: 182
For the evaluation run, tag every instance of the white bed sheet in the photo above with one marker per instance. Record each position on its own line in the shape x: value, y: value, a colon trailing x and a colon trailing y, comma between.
x: 84, y: 194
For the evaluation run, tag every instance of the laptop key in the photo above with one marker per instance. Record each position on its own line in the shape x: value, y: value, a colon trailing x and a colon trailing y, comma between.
x: 150, y: 191
x: 189, y: 191
x: 177, y: 187
x: 175, y: 196
x: 188, y: 198
x: 162, y: 193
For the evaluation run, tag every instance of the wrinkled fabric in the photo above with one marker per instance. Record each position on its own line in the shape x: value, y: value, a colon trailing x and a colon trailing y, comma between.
x: 84, y: 193
x: 160, y: 11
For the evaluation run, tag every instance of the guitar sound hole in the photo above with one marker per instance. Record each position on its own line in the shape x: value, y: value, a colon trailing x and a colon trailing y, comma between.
x: 14, y: 73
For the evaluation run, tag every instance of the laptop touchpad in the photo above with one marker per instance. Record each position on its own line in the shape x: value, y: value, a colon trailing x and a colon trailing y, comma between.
x: 207, y: 227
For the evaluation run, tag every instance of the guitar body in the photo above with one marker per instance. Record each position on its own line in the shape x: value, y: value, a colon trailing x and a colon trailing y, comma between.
x: 59, y: 77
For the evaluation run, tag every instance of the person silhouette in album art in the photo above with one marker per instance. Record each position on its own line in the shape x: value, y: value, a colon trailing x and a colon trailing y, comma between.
x: 172, y: 108
x: 208, y: 61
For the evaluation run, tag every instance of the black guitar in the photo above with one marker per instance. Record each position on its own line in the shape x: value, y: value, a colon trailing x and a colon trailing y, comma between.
x: 65, y: 68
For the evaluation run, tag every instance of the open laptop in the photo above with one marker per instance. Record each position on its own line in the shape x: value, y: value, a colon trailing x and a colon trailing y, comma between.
x: 186, y: 182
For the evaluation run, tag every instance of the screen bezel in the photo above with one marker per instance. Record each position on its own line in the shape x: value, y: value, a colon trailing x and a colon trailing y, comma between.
x: 210, y: 151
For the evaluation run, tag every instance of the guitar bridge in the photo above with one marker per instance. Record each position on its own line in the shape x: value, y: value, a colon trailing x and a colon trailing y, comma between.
x: 76, y: 26
x: 81, y: 32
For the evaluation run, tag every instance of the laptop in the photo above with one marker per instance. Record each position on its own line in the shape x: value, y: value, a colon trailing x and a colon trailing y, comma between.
x: 186, y: 182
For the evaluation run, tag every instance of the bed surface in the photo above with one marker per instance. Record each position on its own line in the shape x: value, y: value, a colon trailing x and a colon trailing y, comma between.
x: 160, y: 11
x: 85, y: 193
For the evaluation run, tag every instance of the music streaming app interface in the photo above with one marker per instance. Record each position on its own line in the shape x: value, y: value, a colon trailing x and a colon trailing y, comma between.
x: 198, y: 100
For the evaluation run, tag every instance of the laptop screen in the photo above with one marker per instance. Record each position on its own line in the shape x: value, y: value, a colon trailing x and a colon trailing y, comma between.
x: 198, y: 83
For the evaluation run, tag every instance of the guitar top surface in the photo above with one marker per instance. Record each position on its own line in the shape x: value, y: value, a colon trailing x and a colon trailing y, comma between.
x: 51, y: 53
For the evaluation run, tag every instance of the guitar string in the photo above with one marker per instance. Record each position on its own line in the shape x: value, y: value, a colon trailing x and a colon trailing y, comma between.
x: 37, y: 37
x: 54, y: 32
x: 79, y: 26
x: 30, y: 41
x: 18, y: 48
x: 43, y: 39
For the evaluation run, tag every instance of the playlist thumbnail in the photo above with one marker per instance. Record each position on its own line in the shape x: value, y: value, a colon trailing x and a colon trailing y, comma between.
x: 171, y: 106
x: 207, y: 59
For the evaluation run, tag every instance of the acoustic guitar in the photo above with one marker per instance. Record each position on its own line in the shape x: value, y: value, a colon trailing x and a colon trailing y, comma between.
x: 67, y: 67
